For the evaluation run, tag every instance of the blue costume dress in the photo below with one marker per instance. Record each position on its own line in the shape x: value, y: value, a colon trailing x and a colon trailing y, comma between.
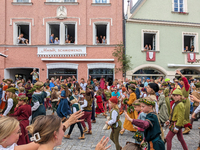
x: 38, y: 97
x: 63, y: 109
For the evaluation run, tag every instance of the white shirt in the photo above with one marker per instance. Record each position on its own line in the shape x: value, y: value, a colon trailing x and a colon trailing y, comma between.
x: 197, y: 110
x: 83, y: 85
x: 4, y: 92
x: 114, y: 118
x: 84, y: 104
x: 12, y: 147
x: 9, y: 106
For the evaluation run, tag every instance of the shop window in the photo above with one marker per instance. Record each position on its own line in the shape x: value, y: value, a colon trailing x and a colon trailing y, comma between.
x: 23, y: 34
x: 65, y: 73
x: 98, y: 73
x: 190, y: 43
x: 54, y: 34
x: 150, y: 40
x: 101, y: 34
x: 69, y: 33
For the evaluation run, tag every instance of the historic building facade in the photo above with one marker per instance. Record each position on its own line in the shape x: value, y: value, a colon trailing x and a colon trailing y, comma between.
x: 60, y: 38
x: 170, y: 29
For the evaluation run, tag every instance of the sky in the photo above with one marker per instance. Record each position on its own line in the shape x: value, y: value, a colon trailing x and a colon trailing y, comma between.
x: 126, y: 3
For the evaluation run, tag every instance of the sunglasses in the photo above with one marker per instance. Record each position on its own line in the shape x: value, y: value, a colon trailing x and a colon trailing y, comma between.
x: 64, y: 128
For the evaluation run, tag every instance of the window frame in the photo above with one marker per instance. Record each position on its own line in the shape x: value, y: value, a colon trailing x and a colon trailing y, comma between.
x: 157, y: 38
x: 196, y: 45
x: 60, y: 1
x: 62, y: 31
x: 16, y: 1
x: 185, y: 8
x: 107, y: 32
x: 15, y: 31
x: 94, y: 1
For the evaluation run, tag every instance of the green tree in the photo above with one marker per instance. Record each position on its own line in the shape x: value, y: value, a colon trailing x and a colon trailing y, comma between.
x: 122, y: 58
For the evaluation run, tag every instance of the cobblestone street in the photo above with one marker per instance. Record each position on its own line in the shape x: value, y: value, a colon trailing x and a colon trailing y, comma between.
x: 90, y: 142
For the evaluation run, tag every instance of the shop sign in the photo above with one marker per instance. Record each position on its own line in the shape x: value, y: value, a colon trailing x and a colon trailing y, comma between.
x: 61, y: 51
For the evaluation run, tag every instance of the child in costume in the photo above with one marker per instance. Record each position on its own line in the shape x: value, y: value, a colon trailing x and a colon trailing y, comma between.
x: 127, y: 124
x: 163, y: 112
x: 11, y: 101
x: 75, y: 107
x: 99, y: 108
x: 108, y: 96
x: 7, y: 85
x: 176, y: 121
x: 141, y: 116
x: 20, y: 91
x: 87, y: 108
x: 195, y: 93
x: 166, y: 93
x: 171, y: 97
x: 151, y: 125
x: 185, y: 91
x: 123, y: 96
x: 114, y: 122
x: 37, y: 103
x: 22, y: 111
x: 54, y: 98
x: 63, y: 109
x: 47, y: 101
x: 152, y: 89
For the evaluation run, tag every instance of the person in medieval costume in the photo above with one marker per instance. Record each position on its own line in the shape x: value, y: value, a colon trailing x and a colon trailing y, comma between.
x: 185, y: 91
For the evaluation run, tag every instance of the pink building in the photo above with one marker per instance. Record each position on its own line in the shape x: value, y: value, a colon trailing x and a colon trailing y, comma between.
x: 76, y: 48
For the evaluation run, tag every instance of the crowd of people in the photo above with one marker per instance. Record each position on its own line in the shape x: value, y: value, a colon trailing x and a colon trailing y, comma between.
x: 148, y: 105
x: 69, y: 39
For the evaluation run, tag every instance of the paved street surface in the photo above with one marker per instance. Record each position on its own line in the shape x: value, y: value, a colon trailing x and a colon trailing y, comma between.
x: 90, y: 142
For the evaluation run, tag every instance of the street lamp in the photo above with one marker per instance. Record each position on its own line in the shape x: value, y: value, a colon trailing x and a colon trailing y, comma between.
x: 3, y: 55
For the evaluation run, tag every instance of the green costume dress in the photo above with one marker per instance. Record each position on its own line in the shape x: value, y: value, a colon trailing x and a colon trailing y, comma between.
x: 153, y: 132
x: 187, y: 105
x: 38, y: 97
x: 166, y: 93
x: 163, y: 111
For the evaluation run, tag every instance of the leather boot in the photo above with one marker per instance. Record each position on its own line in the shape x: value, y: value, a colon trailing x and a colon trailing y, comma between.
x: 85, y: 130
x: 89, y: 132
x: 67, y: 136
x: 186, y: 131
x: 82, y: 137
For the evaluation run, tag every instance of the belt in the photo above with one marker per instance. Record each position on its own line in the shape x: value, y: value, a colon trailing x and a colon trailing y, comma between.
x: 41, y: 104
x: 156, y: 139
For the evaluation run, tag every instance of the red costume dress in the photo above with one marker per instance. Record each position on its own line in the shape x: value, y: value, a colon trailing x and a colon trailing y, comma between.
x: 23, y: 113
x: 99, y: 109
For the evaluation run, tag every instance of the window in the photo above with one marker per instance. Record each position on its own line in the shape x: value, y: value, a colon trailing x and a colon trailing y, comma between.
x: 65, y: 73
x: 150, y: 40
x: 178, y: 6
x: 61, y: 33
x: 100, y: 1
x: 97, y: 73
x: 54, y: 34
x: 101, y: 33
x: 69, y: 33
x: 22, y: 33
x: 190, y: 43
x: 61, y: 0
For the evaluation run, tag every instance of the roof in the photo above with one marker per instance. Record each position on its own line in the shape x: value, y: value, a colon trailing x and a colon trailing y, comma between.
x: 137, y: 4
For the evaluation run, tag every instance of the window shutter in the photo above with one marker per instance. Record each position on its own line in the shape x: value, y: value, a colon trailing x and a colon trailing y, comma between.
x: 185, y: 6
x: 172, y: 5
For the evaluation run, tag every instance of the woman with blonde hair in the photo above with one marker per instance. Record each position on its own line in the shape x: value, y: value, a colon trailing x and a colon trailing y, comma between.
x: 10, y: 132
